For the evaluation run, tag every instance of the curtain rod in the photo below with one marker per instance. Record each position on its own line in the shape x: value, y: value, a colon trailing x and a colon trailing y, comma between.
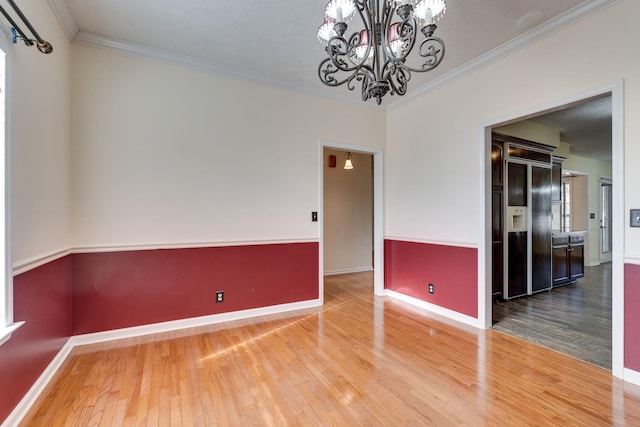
x: 42, y: 45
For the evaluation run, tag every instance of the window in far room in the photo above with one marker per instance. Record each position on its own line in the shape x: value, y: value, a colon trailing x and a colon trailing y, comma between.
x: 566, y: 204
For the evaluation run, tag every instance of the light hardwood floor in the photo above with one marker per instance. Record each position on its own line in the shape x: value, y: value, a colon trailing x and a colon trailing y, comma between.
x: 360, y: 360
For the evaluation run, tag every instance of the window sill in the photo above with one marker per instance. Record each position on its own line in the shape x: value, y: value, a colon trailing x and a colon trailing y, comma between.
x: 5, y: 333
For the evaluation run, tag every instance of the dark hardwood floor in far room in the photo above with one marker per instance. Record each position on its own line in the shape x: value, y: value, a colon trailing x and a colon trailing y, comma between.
x: 359, y: 360
x: 574, y: 319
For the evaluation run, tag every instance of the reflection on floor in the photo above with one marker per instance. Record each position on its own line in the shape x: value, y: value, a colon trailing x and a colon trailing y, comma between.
x: 574, y: 320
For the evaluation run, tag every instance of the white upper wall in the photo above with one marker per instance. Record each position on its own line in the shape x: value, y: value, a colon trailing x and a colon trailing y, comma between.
x: 594, y: 170
x: 433, y: 188
x: 168, y: 155
x: 164, y: 155
x: 39, y: 109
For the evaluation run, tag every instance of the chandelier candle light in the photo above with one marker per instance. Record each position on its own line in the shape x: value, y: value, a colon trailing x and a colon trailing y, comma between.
x: 377, y: 54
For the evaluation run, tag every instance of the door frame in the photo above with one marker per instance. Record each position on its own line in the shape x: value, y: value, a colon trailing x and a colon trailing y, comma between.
x: 616, y: 90
x: 378, y: 211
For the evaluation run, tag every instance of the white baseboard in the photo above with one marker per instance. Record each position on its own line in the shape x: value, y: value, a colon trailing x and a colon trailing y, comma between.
x: 38, y: 387
x: 348, y: 270
x: 631, y: 376
x: 193, y: 322
x: 436, y: 309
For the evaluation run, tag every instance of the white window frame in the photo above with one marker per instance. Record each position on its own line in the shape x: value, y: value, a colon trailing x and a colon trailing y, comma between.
x: 7, y: 325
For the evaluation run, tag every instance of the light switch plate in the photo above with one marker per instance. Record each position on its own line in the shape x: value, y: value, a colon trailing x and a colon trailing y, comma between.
x: 635, y: 217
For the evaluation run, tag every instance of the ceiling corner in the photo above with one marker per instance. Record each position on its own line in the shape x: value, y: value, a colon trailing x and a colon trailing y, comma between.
x: 62, y: 12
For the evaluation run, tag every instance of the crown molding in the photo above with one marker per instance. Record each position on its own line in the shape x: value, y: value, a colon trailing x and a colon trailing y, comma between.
x: 191, y: 62
x: 555, y: 24
x: 523, y: 40
x: 62, y: 12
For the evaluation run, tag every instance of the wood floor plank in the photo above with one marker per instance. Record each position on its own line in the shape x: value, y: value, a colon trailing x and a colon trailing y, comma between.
x: 574, y: 319
x: 359, y: 360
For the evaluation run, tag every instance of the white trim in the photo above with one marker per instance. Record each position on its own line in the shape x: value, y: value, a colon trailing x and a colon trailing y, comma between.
x: 432, y: 308
x: 187, y: 245
x: 631, y: 259
x: 62, y: 12
x: 618, y: 225
x: 631, y: 376
x: 485, y: 248
x: 208, y: 66
x: 616, y: 90
x: 27, y: 401
x: 7, y: 331
x: 378, y: 223
x: 192, y: 322
x: 555, y: 24
x: 378, y: 211
x: 433, y: 242
x: 519, y: 42
x: 6, y: 276
x: 348, y: 270
x: 27, y: 264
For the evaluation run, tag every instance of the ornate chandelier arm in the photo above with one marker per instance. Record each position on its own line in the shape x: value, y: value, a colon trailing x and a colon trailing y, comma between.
x: 432, y: 49
x: 376, y: 56
x: 339, y: 50
x: 327, y: 73
x: 397, y: 76
x: 368, y: 21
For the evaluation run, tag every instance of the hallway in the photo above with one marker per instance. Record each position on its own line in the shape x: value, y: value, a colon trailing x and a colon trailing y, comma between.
x: 574, y: 320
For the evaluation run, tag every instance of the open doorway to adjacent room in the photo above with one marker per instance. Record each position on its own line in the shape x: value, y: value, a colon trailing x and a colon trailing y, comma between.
x: 347, y: 212
x: 569, y: 197
x: 351, y: 214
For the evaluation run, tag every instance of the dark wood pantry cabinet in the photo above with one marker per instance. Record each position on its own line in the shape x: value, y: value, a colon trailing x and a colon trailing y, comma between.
x: 568, y: 258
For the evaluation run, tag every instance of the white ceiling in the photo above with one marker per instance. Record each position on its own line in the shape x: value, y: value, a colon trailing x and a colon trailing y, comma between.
x: 586, y: 127
x: 275, y: 41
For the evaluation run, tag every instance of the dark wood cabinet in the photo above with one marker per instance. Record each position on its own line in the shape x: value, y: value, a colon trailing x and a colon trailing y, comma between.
x: 518, y: 190
x: 568, y: 258
x: 576, y: 261
x: 517, y: 268
x: 540, y: 229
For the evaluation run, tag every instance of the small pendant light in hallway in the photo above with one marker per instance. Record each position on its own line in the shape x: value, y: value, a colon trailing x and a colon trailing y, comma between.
x: 347, y: 163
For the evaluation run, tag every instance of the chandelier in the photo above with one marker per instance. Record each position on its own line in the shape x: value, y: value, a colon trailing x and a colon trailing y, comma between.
x: 376, y: 55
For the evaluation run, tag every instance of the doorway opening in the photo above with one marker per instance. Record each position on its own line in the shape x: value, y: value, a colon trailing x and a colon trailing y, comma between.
x: 351, y: 224
x: 347, y: 212
x: 590, y: 217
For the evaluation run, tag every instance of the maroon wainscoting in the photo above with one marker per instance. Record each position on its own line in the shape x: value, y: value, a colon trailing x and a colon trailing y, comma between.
x: 122, y: 289
x: 410, y: 267
x: 632, y: 317
x: 42, y: 298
